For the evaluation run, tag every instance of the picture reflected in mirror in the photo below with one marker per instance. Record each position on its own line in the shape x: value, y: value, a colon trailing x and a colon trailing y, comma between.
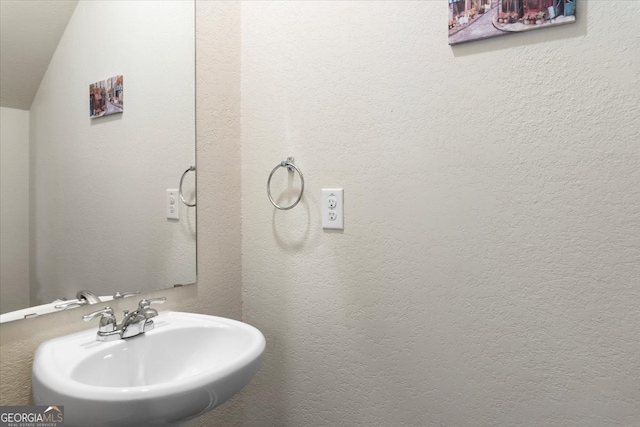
x: 106, y: 97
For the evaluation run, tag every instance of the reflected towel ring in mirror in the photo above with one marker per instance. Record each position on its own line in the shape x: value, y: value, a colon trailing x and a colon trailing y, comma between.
x: 290, y: 167
x: 191, y: 168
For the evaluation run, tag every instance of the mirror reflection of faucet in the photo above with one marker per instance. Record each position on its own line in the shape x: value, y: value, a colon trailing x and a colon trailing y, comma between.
x: 134, y: 323
x: 88, y: 297
x: 119, y: 294
x: 82, y: 298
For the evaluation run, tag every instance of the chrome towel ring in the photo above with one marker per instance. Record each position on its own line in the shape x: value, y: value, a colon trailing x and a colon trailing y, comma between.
x: 191, y: 168
x: 290, y: 167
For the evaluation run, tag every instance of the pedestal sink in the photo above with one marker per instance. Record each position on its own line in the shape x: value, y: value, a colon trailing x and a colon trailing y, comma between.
x: 187, y: 365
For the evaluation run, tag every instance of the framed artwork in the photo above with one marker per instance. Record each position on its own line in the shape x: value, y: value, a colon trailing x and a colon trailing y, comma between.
x: 471, y: 20
x: 106, y: 97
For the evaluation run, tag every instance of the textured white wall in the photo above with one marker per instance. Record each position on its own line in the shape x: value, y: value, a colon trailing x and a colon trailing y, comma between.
x: 14, y: 209
x: 489, y: 270
x: 99, y: 186
x: 219, y: 253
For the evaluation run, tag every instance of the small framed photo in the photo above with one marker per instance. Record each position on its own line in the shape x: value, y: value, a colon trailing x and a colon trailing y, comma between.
x: 106, y: 97
x: 471, y: 20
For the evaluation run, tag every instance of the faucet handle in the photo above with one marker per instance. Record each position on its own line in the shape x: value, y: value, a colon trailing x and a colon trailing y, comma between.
x: 107, y: 319
x: 145, y: 303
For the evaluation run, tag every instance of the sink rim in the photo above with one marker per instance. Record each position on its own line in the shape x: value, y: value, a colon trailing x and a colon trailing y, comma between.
x: 44, y: 370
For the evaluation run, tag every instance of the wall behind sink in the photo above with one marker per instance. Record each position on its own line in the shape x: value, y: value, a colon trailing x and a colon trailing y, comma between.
x: 489, y: 270
x: 219, y: 265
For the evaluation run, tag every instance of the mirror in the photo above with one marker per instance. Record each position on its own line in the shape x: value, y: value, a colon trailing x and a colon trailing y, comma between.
x: 85, y: 201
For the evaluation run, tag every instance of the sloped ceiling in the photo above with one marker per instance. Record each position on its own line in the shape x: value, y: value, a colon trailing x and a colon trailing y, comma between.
x: 29, y: 34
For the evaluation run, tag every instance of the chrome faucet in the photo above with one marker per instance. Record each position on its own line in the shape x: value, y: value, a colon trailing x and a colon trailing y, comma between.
x: 134, y: 323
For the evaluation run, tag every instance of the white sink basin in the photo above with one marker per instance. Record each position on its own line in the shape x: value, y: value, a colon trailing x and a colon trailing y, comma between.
x: 187, y: 365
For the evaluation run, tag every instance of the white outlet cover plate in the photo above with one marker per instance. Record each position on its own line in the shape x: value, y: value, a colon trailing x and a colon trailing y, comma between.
x: 338, y: 195
x: 173, y: 207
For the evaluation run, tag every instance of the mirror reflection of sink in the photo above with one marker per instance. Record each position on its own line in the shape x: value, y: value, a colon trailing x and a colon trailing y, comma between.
x: 38, y: 310
x: 187, y: 365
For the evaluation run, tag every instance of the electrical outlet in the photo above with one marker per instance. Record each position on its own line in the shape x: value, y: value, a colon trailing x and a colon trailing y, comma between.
x: 333, y: 208
x: 173, y: 207
x: 331, y: 202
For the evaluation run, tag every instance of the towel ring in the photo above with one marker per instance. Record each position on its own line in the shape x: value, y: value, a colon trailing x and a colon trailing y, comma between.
x: 290, y: 167
x: 191, y: 168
